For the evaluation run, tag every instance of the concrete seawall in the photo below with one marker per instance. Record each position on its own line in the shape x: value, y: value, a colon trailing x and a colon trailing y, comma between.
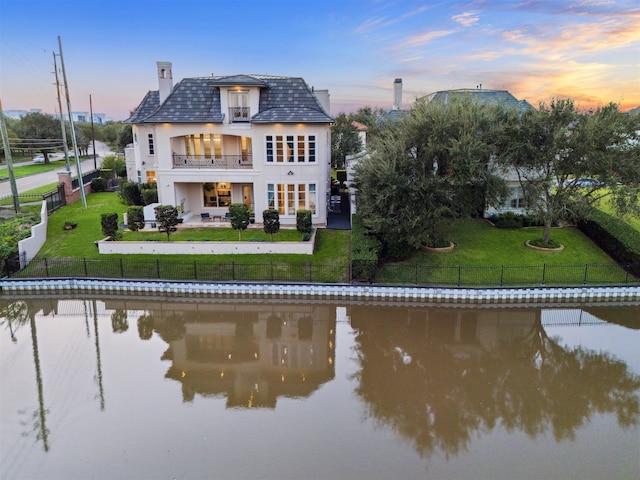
x: 525, y: 295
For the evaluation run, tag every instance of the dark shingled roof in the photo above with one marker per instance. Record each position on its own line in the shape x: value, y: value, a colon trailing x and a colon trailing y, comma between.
x: 483, y: 97
x: 196, y: 100
x: 148, y: 105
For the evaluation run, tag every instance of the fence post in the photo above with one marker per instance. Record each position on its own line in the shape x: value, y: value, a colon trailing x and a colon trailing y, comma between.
x: 416, y: 272
x: 195, y: 271
x: 459, y: 273
x: 121, y: 268
x: 86, y: 272
x: 46, y: 266
x: 233, y: 271
x: 271, y: 266
x: 158, y: 267
x: 586, y: 267
x: 310, y: 274
x: 544, y: 271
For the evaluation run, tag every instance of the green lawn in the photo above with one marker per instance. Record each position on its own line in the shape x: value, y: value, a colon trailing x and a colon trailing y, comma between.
x: 494, y: 256
x: 332, y: 246
x: 478, y: 243
x: 31, y: 168
x: 483, y: 250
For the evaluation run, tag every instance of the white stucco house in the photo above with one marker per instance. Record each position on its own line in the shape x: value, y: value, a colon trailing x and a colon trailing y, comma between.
x: 256, y: 139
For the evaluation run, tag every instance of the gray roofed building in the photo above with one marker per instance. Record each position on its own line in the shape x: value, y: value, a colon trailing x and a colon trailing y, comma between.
x: 481, y: 96
x: 209, y: 142
x: 282, y: 100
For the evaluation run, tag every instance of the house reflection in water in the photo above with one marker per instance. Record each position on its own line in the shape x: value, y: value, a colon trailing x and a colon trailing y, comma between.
x: 251, y: 353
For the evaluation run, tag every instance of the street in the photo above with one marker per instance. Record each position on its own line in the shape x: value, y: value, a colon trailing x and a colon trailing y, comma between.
x: 25, y: 184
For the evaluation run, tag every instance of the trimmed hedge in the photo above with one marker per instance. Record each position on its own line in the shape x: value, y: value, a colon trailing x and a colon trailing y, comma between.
x: 98, y: 185
x: 614, y: 236
x: 365, y: 252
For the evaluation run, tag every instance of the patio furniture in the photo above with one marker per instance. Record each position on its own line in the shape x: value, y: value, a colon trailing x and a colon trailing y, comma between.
x: 205, y: 217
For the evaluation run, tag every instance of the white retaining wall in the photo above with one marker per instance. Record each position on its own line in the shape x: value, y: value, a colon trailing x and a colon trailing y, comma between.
x: 204, y: 248
x: 29, y: 247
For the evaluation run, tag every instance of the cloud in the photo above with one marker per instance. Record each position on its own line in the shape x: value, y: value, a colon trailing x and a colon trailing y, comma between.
x: 422, y: 38
x: 373, y: 24
x: 466, y: 19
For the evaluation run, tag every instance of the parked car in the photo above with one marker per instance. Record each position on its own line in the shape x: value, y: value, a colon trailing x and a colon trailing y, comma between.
x: 38, y: 159
x: 587, y: 182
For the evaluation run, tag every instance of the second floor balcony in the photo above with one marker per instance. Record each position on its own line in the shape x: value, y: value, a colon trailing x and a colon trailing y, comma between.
x: 220, y: 162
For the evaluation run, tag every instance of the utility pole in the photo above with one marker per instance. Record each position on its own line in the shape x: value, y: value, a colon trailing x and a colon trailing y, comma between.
x: 73, y: 131
x: 64, y: 130
x: 7, y: 155
x: 93, y: 134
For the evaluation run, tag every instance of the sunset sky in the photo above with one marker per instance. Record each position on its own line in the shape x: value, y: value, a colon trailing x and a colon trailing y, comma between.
x: 587, y: 50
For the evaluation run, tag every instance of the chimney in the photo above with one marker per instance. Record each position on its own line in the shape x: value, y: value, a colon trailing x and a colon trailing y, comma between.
x: 165, y: 80
x: 323, y: 98
x: 397, y: 94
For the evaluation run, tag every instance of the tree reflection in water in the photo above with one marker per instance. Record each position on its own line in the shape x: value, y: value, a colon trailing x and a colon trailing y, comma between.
x: 440, y: 377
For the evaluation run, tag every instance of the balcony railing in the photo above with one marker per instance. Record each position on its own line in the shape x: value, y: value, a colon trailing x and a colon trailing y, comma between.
x: 223, y: 162
x: 239, y: 114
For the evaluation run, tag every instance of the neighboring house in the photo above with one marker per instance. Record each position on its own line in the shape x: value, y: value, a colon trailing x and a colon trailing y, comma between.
x: 351, y: 161
x: 261, y: 140
x: 515, y: 201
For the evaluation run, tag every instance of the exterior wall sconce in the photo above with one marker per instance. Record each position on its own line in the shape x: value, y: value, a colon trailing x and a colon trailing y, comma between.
x: 290, y: 173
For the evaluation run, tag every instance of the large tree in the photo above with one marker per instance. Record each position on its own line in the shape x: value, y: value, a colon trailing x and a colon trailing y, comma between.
x: 425, y: 168
x: 566, y: 159
x: 40, y: 132
x: 344, y: 140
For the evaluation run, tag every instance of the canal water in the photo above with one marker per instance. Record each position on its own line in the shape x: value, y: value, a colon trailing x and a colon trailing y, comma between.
x: 105, y: 387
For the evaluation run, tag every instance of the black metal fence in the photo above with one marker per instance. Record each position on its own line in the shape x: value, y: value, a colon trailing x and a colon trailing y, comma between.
x: 121, y: 267
x: 309, y: 272
x: 506, y: 275
x: 86, y: 178
x: 55, y: 198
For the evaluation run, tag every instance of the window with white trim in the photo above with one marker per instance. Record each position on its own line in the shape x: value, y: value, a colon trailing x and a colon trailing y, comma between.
x: 516, y: 198
x: 288, y: 198
x: 291, y: 148
x: 151, y: 146
x: 239, y: 106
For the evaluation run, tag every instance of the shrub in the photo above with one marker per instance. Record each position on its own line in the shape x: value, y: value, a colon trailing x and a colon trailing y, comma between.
x: 135, y: 218
x: 130, y: 193
x: 109, y: 223
x: 614, y: 236
x: 365, y: 252
x: 239, y: 216
x: 98, y: 184
x: 303, y: 222
x: 167, y: 219
x: 12, y: 231
x: 508, y: 220
x: 149, y: 195
x: 112, y: 164
x: 271, y: 222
